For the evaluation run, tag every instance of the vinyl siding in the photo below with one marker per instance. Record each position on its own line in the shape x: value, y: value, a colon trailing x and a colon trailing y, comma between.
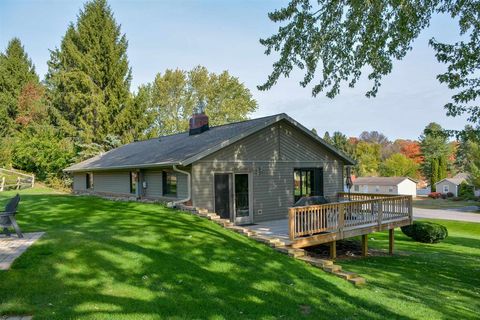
x: 271, y: 156
x: 112, y: 182
x: 451, y: 187
x: 80, y: 182
x: 154, y: 184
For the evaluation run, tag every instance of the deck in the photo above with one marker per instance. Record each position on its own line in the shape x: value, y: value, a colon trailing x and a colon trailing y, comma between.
x: 360, y: 214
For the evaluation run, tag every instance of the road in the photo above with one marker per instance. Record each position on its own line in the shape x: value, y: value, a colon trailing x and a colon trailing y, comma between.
x: 446, y: 215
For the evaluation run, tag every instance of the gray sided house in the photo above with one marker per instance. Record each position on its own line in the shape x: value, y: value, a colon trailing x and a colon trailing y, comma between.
x: 248, y: 171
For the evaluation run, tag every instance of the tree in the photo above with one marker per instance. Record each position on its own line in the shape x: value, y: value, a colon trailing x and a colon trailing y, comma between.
x: 435, y: 150
x: 339, y: 41
x: 467, y: 135
x: 16, y: 71
x: 89, y: 75
x: 368, y: 158
x: 411, y: 149
x: 176, y: 93
x: 374, y: 137
x: 398, y: 165
x: 327, y: 137
x: 473, y: 166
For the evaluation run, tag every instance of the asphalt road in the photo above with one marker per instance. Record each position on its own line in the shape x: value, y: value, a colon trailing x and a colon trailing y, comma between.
x: 446, y: 215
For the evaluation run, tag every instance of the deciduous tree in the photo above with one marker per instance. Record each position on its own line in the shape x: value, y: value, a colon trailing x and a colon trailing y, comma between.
x: 398, y: 165
x: 337, y: 41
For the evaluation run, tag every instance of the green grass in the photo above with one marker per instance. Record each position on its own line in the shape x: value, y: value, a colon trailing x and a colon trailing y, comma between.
x: 429, y: 203
x: 114, y: 260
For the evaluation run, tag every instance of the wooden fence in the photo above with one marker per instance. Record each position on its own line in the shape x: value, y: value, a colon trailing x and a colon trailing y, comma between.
x: 12, y: 179
x: 338, y: 216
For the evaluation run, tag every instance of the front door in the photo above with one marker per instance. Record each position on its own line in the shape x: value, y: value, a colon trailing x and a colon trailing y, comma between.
x: 243, y: 207
x: 222, y: 195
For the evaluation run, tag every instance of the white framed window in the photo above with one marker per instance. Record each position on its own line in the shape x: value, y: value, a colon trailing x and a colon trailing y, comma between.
x: 377, y: 188
x: 356, y: 187
x: 365, y: 189
x: 390, y: 189
x: 446, y: 189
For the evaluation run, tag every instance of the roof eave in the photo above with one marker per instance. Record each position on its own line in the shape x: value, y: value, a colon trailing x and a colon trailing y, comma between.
x: 137, y: 166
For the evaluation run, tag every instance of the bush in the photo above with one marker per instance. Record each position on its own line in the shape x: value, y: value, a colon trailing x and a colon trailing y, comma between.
x: 427, y: 232
x: 449, y: 194
x: 434, y: 195
x: 466, y: 191
x: 444, y: 196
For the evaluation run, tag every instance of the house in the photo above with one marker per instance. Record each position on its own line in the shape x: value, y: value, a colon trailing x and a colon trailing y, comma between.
x: 247, y: 171
x: 385, y: 185
x: 452, y: 185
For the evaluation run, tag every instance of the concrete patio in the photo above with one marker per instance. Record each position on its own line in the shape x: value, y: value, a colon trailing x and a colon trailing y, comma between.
x: 12, y: 247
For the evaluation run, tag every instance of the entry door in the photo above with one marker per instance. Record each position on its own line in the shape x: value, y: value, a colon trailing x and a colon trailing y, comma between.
x: 242, y: 198
x: 222, y: 195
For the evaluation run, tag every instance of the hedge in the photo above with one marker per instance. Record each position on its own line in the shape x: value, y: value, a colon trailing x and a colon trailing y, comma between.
x: 427, y: 232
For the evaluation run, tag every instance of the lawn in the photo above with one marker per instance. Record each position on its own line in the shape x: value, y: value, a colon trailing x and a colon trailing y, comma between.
x: 429, y: 203
x: 102, y: 259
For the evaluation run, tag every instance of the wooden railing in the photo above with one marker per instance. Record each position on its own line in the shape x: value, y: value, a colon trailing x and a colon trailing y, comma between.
x: 338, y: 216
x: 355, y: 196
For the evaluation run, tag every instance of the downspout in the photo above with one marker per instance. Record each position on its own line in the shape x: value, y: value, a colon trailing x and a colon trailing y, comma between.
x: 189, y: 192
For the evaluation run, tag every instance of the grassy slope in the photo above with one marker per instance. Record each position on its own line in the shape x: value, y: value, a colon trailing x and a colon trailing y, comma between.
x: 102, y: 260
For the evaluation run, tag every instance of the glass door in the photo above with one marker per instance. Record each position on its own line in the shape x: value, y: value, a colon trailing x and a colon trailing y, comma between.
x: 243, y: 212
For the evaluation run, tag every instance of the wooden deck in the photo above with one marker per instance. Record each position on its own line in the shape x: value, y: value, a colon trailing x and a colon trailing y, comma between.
x: 363, y: 214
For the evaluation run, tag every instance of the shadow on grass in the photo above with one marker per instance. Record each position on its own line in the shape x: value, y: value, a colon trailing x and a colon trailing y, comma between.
x: 105, y: 259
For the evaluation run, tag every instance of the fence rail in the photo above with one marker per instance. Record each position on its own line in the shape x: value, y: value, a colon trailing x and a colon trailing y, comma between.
x: 335, y: 217
x: 12, y: 179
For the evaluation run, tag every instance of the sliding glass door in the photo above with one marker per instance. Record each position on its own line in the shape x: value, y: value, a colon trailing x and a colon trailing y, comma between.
x: 307, y: 182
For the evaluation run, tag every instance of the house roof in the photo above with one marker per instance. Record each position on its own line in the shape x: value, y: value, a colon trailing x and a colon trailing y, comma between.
x: 184, y: 149
x: 457, y: 179
x: 381, y: 181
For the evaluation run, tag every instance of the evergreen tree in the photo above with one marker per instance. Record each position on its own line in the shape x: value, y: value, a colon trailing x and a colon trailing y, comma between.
x: 327, y: 138
x: 89, y: 75
x: 16, y: 71
x: 435, y: 150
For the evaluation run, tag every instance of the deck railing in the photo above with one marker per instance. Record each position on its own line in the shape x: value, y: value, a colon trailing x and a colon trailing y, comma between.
x: 339, y: 216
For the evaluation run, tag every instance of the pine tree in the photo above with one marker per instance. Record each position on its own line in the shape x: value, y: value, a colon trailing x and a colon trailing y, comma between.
x: 89, y: 75
x: 16, y: 71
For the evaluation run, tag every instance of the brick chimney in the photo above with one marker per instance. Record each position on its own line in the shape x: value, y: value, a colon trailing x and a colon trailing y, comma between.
x: 199, y: 120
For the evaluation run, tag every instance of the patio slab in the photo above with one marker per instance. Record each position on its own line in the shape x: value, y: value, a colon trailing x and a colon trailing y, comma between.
x: 12, y: 247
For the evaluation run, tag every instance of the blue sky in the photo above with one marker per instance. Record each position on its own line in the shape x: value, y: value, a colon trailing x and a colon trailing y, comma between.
x: 223, y: 35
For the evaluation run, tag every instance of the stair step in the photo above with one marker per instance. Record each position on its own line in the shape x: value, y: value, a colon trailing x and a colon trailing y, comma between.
x: 202, y: 211
x: 332, y: 268
x: 346, y: 275
x: 316, y: 262
x: 358, y: 281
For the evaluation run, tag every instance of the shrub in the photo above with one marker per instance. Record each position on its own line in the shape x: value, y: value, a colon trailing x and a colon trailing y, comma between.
x: 427, y: 232
x: 444, y: 196
x: 434, y: 195
x: 449, y: 194
x: 466, y: 191
x: 456, y: 199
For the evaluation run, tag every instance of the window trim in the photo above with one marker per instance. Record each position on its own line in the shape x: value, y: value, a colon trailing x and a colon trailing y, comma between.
x: 317, y: 187
x: 446, y: 188
x: 166, y: 192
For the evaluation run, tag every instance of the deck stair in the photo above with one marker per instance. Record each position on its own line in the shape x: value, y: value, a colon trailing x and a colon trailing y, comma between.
x: 279, y: 245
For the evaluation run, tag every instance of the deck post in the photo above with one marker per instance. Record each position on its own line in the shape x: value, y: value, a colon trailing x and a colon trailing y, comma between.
x: 410, y: 209
x: 364, y: 245
x: 291, y: 223
x: 333, y: 249
x: 391, y: 240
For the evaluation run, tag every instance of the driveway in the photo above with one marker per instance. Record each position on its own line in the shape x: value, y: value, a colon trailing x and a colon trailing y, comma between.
x: 446, y: 214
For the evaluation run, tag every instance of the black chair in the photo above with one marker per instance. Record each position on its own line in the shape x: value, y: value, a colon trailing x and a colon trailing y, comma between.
x: 7, y: 217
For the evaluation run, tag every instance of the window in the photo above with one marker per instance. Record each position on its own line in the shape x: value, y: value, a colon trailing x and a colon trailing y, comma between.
x: 307, y: 182
x: 356, y: 187
x: 377, y: 188
x: 169, y: 184
x: 390, y: 189
x: 133, y: 182
x: 446, y: 189
x: 365, y: 189
x: 89, y: 180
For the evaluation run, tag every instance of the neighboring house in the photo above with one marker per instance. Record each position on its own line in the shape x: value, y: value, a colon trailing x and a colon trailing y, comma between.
x: 452, y: 184
x: 385, y: 185
x: 247, y: 171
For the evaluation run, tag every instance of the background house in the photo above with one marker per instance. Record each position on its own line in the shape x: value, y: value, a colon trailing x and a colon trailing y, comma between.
x: 247, y: 171
x: 385, y: 185
x: 452, y: 184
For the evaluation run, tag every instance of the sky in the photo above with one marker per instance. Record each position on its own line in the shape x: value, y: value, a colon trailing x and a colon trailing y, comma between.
x: 224, y: 35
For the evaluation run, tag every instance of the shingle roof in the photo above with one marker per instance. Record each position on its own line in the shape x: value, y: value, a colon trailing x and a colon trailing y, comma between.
x: 457, y: 179
x: 183, y: 149
x: 380, y: 181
